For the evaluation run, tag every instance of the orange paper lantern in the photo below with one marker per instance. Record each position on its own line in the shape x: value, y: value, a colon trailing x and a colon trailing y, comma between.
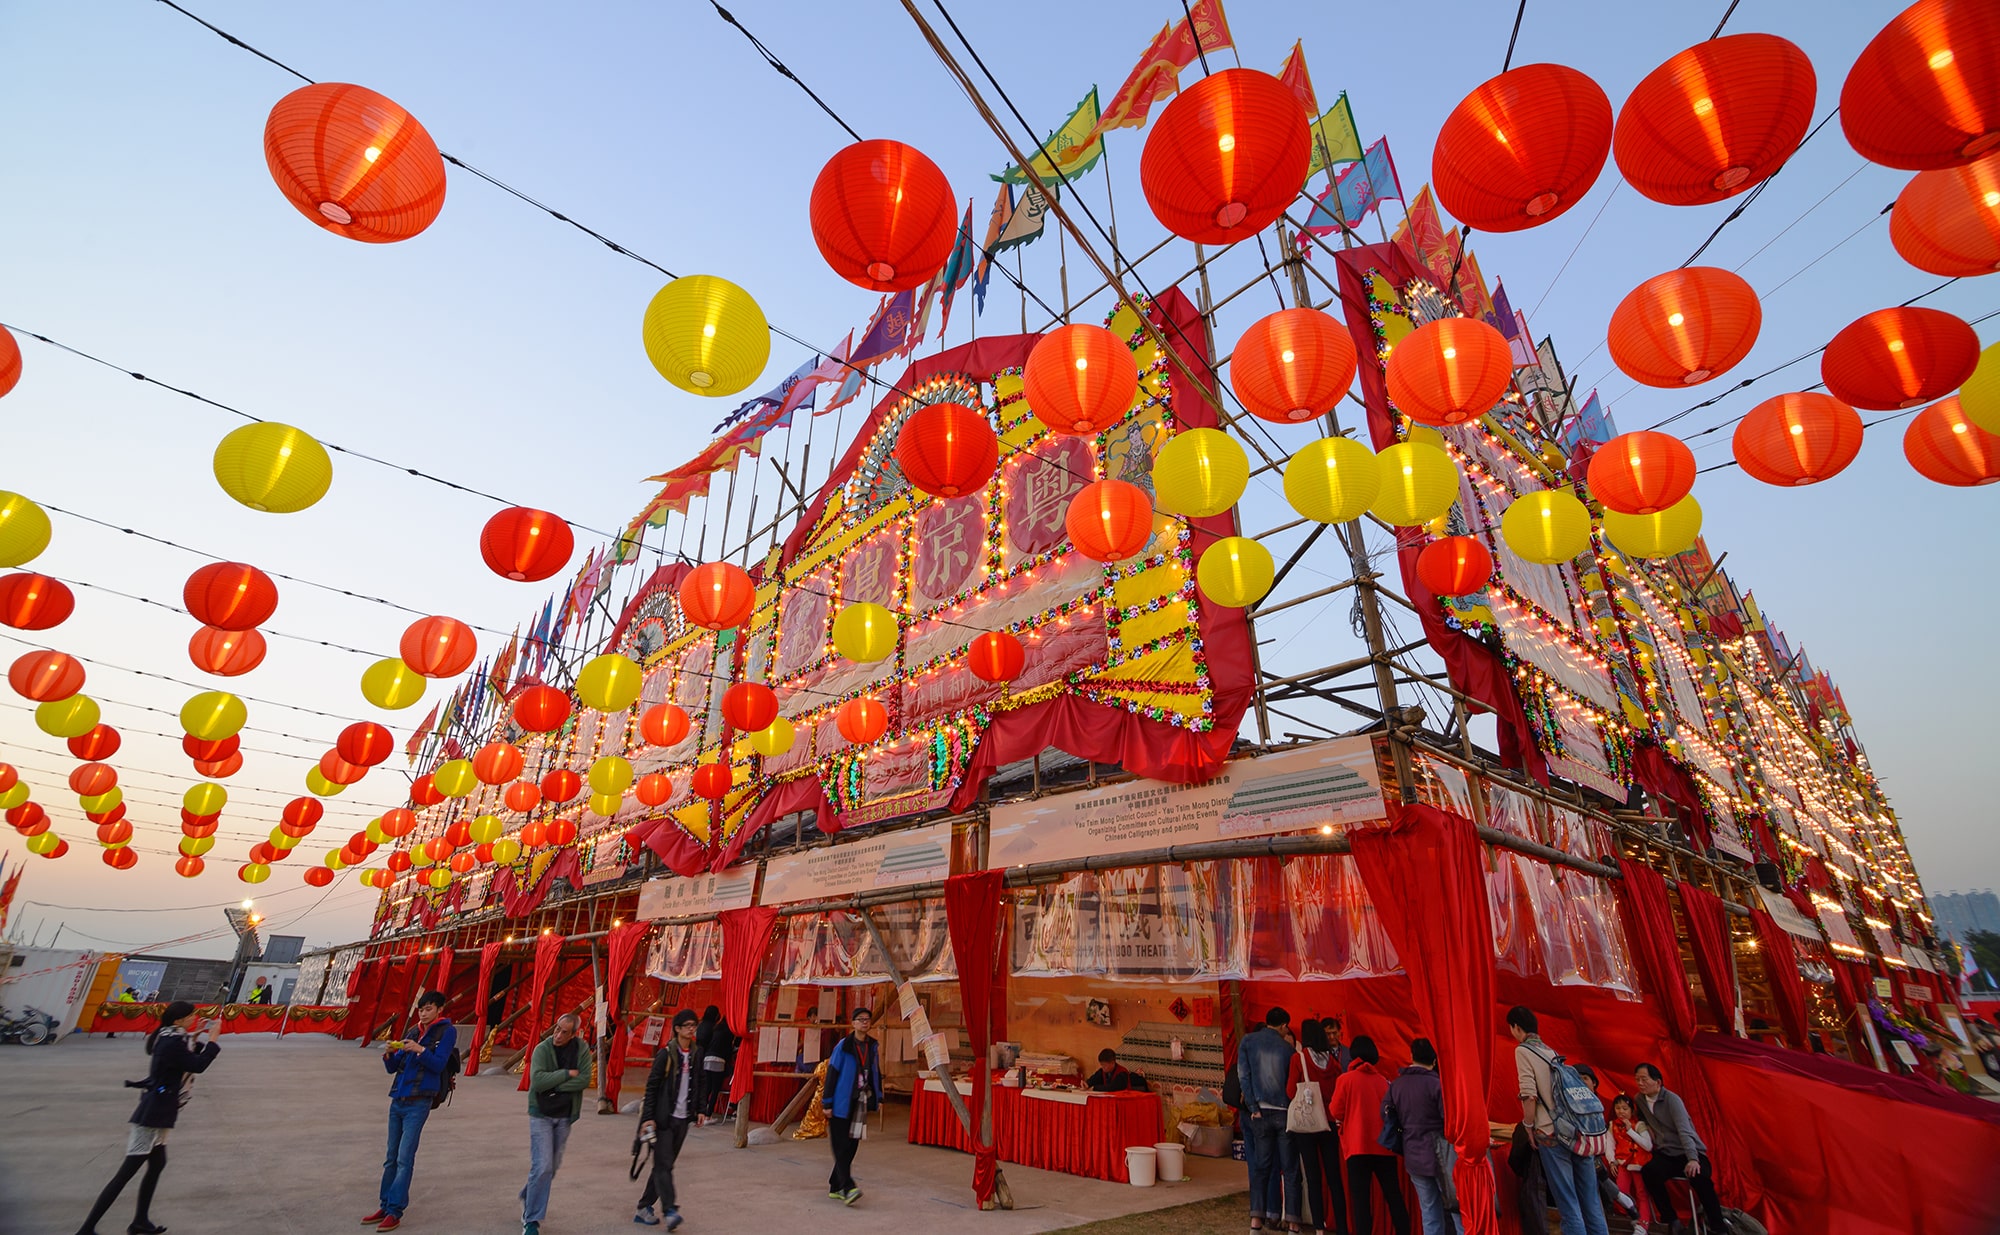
x: 9, y: 777
x: 108, y: 816
x: 1293, y: 365
x: 1451, y: 370
x: 1900, y: 357
x: 354, y: 162
x: 1079, y: 379
x: 45, y: 677
x: 947, y: 449
x: 121, y: 858
x: 188, y: 866
x: 534, y: 835
x: 1642, y: 472
x: 220, y: 769
x: 34, y: 602
x: 541, y: 709
x: 1226, y: 157
x: 526, y: 545
x: 398, y: 822
x: 1685, y: 326
x: 1797, y: 439
x: 663, y: 724
x: 1946, y: 447
x: 206, y: 750
x: 230, y: 595
x: 464, y: 862
x: 1925, y: 92
x: 861, y: 720
x: 1716, y: 119
x: 1948, y: 222
x: 365, y: 743
x: 559, y: 831
x: 1109, y: 520
x: 996, y: 656
x: 883, y: 216
x: 300, y: 816
x: 26, y: 816
x: 523, y: 796
x: 1455, y: 566
x: 339, y: 771
x: 717, y: 596
x: 653, y: 788
x: 561, y: 785
x: 92, y: 779
x: 496, y: 763
x: 1522, y: 148
x: 10, y: 361
x: 316, y: 876
x: 226, y: 653
x: 424, y: 791
x: 115, y: 832
x: 749, y: 706
x: 712, y: 780
x: 438, y: 647
x: 100, y: 743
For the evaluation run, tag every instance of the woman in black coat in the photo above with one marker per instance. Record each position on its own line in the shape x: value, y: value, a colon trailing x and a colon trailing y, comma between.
x: 177, y: 1055
x: 715, y: 1047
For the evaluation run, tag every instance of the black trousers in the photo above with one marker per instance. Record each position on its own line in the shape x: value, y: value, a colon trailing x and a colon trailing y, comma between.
x: 1665, y: 1167
x: 668, y: 1136
x: 1325, y: 1200
x: 841, y: 1135
x: 153, y: 1162
x: 1382, y: 1169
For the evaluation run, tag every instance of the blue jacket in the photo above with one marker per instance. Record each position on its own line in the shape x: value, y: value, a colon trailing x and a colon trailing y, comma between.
x: 841, y: 1067
x: 419, y: 1074
x: 1263, y: 1065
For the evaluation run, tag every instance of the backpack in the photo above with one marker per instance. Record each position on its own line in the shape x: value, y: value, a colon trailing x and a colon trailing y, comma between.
x: 454, y: 1063
x: 1232, y: 1090
x: 1577, y: 1110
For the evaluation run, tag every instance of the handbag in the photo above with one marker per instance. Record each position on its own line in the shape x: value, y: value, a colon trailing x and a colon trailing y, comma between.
x: 1307, y: 1112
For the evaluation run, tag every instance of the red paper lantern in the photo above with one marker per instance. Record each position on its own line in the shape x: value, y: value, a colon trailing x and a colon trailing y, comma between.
x: 947, y: 449
x: 109, y: 816
x: 561, y: 785
x: 339, y: 771
x: 463, y: 862
x: 1641, y: 473
x: 496, y: 763
x: 10, y: 361
x: 26, y: 814
x: 1684, y: 327
x: 862, y: 720
x: 424, y: 791
x: 1897, y: 358
x: 34, y: 602
x: 1455, y: 566
x: 350, y: 857
x: 365, y: 743
x: 1292, y: 365
x: 1925, y: 92
x: 883, y: 215
x: 45, y: 677
x: 114, y: 832
x: 9, y: 777
x: 1946, y: 447
x: 35, y: 826
x: 749, y: 707
x: 717, y: 596
x: 218, y: 769
x: 230, y: 595
x: 523, y: 796
x: 1797, y: 439
x: 1948, y: 222
x: 1716, y: 119
x: 653, y: 789
x: 533, y: 835
x: 458, y: 833
x: 1079, y: 379
x: 1226, y: 157
x: 526, y: 545
x: 399, y: 861
x: 711, y: 780
x: 198, y: 825
x: 187, y: 866
x: 1452, y: 370
x: 300, y: 816
x: 483, y: 852
x: 560, y: 831
x: 541, y: 709
x: 996, y: 656
x: 62, y: 847
x: 1522, y: 148
x: 261, y: 853
x: 121, y: 858
x: 316, y: 876
x: 1109, y: 520
x: 354, y: 162
x: 206, y: 751
x: 101, y: 742
x: 437, y: 849
x: 663, y: 724
x: 438, y: 647
x: 398, y: 822
x: 92, y: 779
x: 226, y: 653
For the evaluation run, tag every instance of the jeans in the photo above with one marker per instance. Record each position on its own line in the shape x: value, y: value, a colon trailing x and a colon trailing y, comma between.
x: 668, y: 1137
x: 546, y: 1139
x: 1273, y: 1169
x: 406, y: 1128
x: 1664, y: 1167
x: 1572, y: 1181
x: 1430, y: 1206
x: 1382, y: 1169
x: 1323, y: 1194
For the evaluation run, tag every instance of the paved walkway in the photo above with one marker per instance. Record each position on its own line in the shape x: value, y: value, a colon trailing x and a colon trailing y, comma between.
x: 286, y: 1137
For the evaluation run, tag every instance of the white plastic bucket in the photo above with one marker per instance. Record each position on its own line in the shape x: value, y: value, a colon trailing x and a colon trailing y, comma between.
x: 1172, y: 1162
x: 1141, y: 1165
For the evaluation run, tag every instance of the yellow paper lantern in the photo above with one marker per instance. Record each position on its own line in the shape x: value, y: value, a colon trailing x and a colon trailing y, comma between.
x: 486, y: 829
x: 42, y: 843
x: 774, y: 739
x: 610, y: 683
x: 102, y: 802
x: 606, y: 804
x: 1332, y: 480
x: 195, y: 846
x: 1547, y: 526
x: 706, y: 335
x: 506, y: 850
x: 280, y: 839
x: 1426, y: 434
x: 1419, y: 483
x: 255, y: 872
x: 273, y: 467
x: 213, y: 715
x: 419, y: 858
x: 864, y: 633
x: 207, y: 798
x: 391, y: 685
x: 1660, y: 534
x: 366, y: 877
x: 437, y: 879
x: 24, y: 530
x: 16, y: 795
x: 1235, y: 571
x: 1979, y: 398
x: 67, y: 718
x: 1198, y: 473
x: 455, y: 778
x: 373, y: 832
x: 334, y: 861
x: 319, y: 786
x: 610, y: 774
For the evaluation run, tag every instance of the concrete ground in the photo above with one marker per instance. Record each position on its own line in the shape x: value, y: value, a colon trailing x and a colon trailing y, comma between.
x: 286, y: 1136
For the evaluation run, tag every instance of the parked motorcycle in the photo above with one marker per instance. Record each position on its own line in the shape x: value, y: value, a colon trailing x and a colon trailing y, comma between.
x: 31, y: 1028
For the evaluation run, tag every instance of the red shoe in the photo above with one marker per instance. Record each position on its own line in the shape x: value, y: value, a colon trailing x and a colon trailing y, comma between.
x: 390, y: 1223
x: 375, y: 1217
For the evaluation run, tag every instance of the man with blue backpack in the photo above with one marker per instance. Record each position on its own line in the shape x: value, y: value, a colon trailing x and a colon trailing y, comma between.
x: 423, y: 1070
x: 1565, y: 1117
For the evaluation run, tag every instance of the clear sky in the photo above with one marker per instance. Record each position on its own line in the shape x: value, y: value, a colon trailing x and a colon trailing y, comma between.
x: 501, y: 349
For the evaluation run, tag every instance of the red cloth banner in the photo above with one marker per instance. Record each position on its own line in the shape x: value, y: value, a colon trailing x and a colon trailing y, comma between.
x: 974, y: 911
x: 746, y: 934
x: 548, y: 949
x: 365, y: 998
x: 1708, y: 931
x: 1426, y: 875
x: 1781, y: 967
x: 488, y: 954
x: 517, y: 901
x: 394, y: 1007
x: 441, y: 977
x: 619, y: 948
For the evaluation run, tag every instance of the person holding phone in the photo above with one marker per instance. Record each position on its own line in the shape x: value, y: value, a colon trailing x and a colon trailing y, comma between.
x: 178, y: 1052
x: 417, y: 1066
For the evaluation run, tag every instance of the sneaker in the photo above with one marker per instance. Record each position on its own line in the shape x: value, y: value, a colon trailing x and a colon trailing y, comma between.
x: 850, y: 1196
x: 531, y: 1228
x: 646, y: 1217
x: 674, y: 1219
x: 836, y: 1195
x: 1638, y: 1228
x: 391, y: 1222
x: 375, y: 1217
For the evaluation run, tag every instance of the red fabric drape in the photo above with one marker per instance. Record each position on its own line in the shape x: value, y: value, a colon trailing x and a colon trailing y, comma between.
x: 1663, y: 778
x: 1426, y: 876
x: 1708, y: 930
x: 488, y: 954
x: 396, y: 995
x: 548, y: 949
x: 441, y: 980
x: 1781, y: 965
x: 517, y: 901
x: 746, y: 933
x: 619, y: 948
x: 973, y: 911
x: 363, y: 985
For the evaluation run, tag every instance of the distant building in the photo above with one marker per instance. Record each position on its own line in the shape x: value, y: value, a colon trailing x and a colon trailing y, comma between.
x: 1960, y: 912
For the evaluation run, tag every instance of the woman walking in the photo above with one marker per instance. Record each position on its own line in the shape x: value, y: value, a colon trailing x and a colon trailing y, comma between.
x: 178, y: 1054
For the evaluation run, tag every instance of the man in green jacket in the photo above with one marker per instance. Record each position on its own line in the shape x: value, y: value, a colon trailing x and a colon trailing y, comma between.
x: 558, y: 1074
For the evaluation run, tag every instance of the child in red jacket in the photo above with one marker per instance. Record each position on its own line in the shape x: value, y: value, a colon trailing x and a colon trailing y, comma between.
x: 1630, y: 1147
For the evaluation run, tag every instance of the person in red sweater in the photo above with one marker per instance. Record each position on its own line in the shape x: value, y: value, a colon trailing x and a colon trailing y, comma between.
x: 1356, y: 1108
x: 1324, y: 1202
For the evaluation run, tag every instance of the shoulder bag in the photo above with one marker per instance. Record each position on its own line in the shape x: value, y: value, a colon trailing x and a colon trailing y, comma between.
x: 1308, y: 1110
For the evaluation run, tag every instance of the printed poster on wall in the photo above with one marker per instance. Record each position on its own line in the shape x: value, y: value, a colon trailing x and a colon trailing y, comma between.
x: 1331, y: 783
x: 889, y: 860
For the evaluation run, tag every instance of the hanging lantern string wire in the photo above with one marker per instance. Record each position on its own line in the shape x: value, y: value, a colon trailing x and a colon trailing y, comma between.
x: 1758, y: 192
x: 781, y: 69
x: 1726, y: 15
x: 1519, y: 13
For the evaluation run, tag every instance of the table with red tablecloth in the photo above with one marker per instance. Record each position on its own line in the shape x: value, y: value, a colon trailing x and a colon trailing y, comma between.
x: 773, y: 1092
x: 1073, y: 1132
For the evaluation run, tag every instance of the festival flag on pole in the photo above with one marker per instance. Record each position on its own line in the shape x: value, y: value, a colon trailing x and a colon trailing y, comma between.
x: 1025, y: 226
x: 417, y: 735
x: 1296, y: 76
x: 1158, y: 73
x: 1335, y: 140
x: 1472, y: 294
x: 7, y: 892
x: 1382, y: 171
x: 996, y: 222
x: 1425, y: 239
x: 958, y: 267
x: 1072, y: 149
x: 1501, y: 316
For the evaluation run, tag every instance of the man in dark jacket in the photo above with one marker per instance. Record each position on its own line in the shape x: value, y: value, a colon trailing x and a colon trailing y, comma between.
x: 417, y: 1068
x: 1418, y: 1098
x: 558, y: 1073
x: 853, y: 1088
x: 673, y: 1090
x: 1678, y: 1151
x: 1114, y: 1077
